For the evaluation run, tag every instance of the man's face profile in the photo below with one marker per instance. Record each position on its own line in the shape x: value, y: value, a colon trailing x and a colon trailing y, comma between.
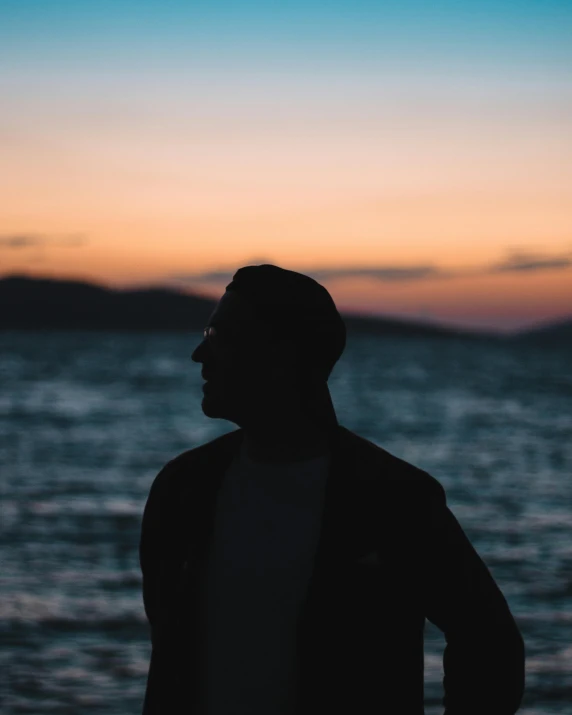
x: 242, y: 368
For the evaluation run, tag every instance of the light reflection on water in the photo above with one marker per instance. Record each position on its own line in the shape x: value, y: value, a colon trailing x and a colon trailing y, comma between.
x: 87, y: 421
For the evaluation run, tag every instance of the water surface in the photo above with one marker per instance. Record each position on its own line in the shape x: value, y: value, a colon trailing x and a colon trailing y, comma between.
x: 88, y: 419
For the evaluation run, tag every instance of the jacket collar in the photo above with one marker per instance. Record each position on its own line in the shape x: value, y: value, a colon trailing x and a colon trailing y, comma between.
x: 345, y: 531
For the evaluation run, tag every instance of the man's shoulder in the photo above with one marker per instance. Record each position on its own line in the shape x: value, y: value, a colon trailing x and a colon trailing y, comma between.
x: 394, y: 474
x: 183, y: 465
x: 197, y: 454
x: 396, y: 477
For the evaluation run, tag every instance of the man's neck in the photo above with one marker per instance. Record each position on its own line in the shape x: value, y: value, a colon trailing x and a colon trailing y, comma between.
x: 285, y: 445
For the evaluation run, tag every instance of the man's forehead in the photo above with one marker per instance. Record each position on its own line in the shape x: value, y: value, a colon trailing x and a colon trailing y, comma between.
x: 232, y: 306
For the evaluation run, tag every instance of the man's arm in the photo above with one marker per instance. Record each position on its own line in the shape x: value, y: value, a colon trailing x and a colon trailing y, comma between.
x: 484, y: 659
x: 153, y: 550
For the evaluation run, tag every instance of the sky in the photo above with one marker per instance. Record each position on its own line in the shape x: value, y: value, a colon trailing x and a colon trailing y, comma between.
x: 413, y: 157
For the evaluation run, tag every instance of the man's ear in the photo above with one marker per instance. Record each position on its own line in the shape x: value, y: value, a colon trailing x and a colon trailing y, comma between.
x: 285, y: 363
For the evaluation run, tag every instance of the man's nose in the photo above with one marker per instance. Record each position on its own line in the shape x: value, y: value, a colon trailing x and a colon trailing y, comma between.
x: 198, y: 352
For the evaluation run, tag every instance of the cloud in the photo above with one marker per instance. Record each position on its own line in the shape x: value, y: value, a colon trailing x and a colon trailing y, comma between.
x: 517, y: 261
x: 71, y: 241
x: 218, y: 276
x: 523, y: 262
x: 19, y: 241
x: 380, y: 273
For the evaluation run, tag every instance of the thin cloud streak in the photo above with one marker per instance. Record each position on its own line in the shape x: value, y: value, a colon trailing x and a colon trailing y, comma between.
x: 529, y: 263
x: 217, y: 276
x: 16, y: 242
x: 384, y: 273
x: 20, y: 241
x: 515, y: 263
x: 387, y: 273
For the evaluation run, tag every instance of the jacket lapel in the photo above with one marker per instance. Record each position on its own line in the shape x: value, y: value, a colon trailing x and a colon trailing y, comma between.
x: 344, y: 532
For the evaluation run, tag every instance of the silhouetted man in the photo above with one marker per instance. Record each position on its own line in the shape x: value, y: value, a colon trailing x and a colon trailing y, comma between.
x: 288, y: 566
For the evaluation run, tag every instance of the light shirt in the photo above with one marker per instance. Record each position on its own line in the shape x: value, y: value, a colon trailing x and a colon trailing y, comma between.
x: 266, y: 531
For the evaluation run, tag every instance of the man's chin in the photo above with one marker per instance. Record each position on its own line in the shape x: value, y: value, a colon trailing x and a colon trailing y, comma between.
x: 212, y: 407
x: 209, y: 405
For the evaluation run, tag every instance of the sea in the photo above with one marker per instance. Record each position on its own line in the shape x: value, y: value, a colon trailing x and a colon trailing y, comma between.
x: 87, y: 420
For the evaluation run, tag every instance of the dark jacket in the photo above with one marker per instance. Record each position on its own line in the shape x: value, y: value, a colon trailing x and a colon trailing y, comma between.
x: 360, y: 631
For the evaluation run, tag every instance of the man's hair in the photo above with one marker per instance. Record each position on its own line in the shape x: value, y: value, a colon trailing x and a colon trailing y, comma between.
x: 293, y: 305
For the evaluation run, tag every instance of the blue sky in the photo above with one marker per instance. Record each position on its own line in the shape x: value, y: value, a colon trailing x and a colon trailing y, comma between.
x: 358, y: 138
x: 510, y: 37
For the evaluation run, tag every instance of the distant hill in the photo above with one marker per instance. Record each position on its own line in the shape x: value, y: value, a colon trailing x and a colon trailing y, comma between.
x: 43, y: 303
x: 559, y: 332
x: 374, y: 325
x: 38, y: 303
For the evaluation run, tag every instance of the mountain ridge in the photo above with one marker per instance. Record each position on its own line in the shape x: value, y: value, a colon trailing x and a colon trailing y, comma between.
x: 36, y: 303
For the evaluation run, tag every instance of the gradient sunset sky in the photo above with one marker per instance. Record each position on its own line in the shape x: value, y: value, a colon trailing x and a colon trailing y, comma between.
x: 414, y: 157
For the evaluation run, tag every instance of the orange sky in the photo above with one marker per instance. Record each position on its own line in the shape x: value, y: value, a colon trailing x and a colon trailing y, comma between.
x: 474, y: 180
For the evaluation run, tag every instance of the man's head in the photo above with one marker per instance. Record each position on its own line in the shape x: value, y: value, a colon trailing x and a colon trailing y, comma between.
x: 277, y: 336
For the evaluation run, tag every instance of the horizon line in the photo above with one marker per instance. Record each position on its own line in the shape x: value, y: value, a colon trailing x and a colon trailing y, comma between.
x: 350, y: 312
